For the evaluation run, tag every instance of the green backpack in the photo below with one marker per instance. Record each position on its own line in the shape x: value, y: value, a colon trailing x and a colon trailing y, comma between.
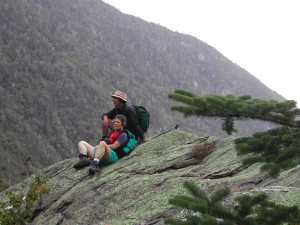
x: 143, y: 116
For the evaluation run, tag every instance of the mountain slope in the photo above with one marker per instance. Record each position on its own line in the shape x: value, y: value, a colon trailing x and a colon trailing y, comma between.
x: 62, y: 60
x: 136, y: 189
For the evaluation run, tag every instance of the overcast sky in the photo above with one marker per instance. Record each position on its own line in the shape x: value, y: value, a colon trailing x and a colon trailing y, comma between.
x: 261, y: 36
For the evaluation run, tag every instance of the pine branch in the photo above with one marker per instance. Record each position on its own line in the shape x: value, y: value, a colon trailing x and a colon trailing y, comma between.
x: 231, y: 108
x: 252, y: 210
x: 195, y: 191
x: 278, y: 148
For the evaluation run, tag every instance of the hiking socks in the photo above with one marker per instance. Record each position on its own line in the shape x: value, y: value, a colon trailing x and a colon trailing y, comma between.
x: 97, y: 159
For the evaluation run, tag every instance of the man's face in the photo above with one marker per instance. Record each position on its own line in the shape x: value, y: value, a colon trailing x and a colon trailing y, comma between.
x: 116, y: 101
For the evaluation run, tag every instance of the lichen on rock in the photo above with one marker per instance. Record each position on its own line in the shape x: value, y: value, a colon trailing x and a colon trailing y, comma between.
x: 136, y: 189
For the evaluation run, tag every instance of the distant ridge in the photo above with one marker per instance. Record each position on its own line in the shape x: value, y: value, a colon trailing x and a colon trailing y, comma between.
x: 62, y: 59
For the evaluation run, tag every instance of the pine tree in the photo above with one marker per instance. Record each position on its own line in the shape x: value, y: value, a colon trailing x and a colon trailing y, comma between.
x: 278, y: 148
x: 250, y: 210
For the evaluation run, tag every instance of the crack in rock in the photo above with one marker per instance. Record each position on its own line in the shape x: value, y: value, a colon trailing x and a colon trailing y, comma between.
x: 177, y: 166
x: 216, y: 175
x: 255, y: 182
x: 63, y: 205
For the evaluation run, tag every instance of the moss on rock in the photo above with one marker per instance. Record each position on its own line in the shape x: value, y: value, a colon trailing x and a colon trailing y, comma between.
x: 137, y: 188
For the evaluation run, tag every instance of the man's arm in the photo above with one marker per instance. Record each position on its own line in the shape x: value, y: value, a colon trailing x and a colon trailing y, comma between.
x: 105, y: 121
x: 110, y: 115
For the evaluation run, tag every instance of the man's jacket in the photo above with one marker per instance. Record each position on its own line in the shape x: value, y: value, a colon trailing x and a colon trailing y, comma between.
x: 132, y: 119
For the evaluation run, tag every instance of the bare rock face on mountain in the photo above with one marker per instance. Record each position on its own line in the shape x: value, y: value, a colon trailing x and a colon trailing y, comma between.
x: 136, y: 189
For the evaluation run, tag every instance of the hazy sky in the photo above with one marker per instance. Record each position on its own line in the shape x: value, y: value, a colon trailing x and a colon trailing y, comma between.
x: 261, y: 36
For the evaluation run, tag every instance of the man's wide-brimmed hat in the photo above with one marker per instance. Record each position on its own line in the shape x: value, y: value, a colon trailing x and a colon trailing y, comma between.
x: 120, y: 95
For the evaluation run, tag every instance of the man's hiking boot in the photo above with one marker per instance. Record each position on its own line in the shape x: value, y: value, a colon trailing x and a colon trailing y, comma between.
x: 94, y: 167
x: 83, y: 161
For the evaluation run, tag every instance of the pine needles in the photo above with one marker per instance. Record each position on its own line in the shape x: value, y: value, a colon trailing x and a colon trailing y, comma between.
x: 251, y: 210
x: 277, y: 149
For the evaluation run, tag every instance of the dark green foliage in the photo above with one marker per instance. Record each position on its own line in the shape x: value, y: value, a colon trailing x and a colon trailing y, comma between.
x: 231, y: 108
x: 278, y: 148
x: 19, y: 206
x: 251, y: 210
x: 228, y: 125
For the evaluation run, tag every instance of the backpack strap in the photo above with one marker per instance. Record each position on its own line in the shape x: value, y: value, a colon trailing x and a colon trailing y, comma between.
x: 129, y: 146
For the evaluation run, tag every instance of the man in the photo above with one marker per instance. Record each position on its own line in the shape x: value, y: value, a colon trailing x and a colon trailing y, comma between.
x: 121, y: 107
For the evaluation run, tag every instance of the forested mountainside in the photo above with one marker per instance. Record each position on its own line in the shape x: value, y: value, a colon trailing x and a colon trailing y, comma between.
x: 61, y: 60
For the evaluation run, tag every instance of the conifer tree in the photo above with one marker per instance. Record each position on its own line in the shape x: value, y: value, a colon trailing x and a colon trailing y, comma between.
x: 278, y: 148
x: 250, y: 210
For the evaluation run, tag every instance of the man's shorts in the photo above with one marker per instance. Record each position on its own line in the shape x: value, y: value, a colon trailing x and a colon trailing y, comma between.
x: 113, y: 157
